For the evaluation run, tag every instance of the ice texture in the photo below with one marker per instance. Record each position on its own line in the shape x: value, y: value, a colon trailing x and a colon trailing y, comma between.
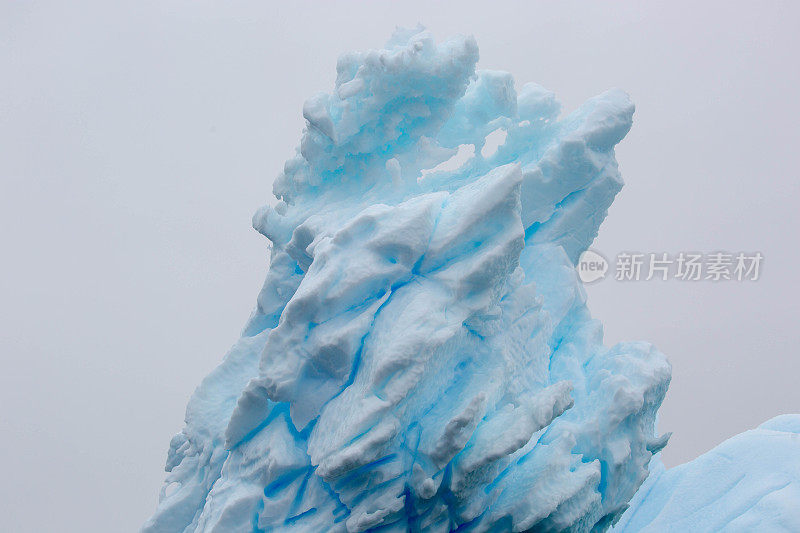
x: 748, y: 483
x: 421, y: 357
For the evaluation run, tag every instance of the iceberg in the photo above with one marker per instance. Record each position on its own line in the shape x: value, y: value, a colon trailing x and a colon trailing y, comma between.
x: 421, y: 357
x: 750, y: 482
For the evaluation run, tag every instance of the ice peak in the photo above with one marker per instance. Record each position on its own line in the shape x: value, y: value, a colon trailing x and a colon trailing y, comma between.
x: 421, y: 356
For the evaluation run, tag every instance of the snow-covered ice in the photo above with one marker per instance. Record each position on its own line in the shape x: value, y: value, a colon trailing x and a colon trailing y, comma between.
x: 421, y: 357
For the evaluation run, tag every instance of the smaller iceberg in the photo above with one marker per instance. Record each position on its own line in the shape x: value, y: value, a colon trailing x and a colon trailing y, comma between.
x: 750, y: 482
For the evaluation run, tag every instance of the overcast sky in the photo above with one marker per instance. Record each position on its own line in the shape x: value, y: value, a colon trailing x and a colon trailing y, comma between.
x: 137, y: 139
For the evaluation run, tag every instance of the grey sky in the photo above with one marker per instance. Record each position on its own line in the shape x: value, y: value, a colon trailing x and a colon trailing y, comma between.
x: 137, y: 139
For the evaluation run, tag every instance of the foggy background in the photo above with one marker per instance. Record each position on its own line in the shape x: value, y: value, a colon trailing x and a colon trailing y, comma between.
x: 137, y: 139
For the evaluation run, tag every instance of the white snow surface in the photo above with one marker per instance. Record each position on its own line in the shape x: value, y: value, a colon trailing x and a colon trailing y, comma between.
x: 421, y: 357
